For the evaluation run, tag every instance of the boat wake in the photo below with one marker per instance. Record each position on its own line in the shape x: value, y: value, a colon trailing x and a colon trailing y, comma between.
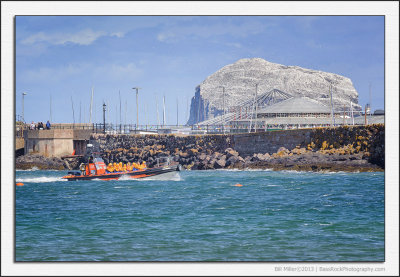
x: 40, y: 180
x: 170, y: 176
x: 31, y: 169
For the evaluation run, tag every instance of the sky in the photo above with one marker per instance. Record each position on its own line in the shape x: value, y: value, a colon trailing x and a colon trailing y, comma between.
x: 61, y: 58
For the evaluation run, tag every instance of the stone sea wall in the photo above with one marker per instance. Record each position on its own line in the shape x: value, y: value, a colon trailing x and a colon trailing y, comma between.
x: 343, y: 148
x: 347, y: 148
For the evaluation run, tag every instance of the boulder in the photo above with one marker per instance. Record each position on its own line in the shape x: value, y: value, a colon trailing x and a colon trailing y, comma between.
x: 220, y: 163
x: 229, y: 152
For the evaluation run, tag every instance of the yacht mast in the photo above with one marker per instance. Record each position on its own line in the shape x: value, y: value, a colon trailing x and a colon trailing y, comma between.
x: 91, y: 105
x: 164, y: 110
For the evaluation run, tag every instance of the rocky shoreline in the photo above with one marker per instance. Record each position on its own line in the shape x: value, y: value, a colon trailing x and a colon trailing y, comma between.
x: 347, y: 149
x: 230, y: 159
x: 38, y: 161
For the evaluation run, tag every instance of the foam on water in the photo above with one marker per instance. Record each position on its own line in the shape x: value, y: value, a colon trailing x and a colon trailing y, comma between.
x: 30, y: 169
x: 257, y: 169
x: 170, y: 176
x: 39, y: 180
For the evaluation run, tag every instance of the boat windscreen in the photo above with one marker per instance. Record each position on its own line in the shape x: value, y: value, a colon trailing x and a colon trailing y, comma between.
x: 98, y: 160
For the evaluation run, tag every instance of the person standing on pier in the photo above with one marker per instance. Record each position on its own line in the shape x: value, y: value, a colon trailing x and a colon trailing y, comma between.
x: 48, y: 125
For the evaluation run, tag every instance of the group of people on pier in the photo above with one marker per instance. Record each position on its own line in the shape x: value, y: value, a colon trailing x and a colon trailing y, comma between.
x: 120, y: 167
x: 40, y: 126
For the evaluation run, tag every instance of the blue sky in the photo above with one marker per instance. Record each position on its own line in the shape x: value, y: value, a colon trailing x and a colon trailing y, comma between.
x: 64, y: 56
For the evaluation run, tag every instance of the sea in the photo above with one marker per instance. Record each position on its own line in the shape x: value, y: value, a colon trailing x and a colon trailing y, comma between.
x: 216, y: 215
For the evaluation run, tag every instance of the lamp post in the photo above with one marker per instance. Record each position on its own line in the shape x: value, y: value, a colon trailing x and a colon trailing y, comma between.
x: 137, y: 107
x: 104, y: 117
x: 255, y: 117
x: 23, y: 95
x: 223, y: 108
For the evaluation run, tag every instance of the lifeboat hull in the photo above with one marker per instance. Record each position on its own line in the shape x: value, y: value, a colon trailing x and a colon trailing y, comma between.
x: 132, y: 174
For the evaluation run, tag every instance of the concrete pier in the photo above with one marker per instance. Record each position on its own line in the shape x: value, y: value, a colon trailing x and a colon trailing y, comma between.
x: 56, y: 142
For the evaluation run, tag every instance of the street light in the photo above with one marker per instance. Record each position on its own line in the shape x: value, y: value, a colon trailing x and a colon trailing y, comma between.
x: 223, y: 113
x: 23, y: 118
x: 104, y: 117
x: 137, y: 107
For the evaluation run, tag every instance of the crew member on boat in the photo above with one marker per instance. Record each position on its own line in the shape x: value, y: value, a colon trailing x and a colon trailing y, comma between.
x: 110, y: 167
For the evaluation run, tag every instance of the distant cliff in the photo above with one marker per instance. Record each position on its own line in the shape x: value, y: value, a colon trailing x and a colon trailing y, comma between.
x: 241, y: 77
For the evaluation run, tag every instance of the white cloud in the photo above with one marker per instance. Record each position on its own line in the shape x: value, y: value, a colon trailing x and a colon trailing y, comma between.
x: 83, y: 37
x: 207, y: 31
x: 118, y: 34
x: 108, y: 72
x: 117, y: 71
x: 234, y: 44
x: 55, y: 74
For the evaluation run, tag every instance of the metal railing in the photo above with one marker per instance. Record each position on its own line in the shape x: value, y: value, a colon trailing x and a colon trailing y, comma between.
x: 110, y: 128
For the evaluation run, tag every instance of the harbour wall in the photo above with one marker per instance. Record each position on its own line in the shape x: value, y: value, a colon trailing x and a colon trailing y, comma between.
x: 270, y: 142
x: 55, y: 142
x: 193, y: 149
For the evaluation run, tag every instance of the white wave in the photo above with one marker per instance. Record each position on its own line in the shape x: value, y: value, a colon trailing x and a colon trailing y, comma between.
x: 294, y: 171
x: 125, y: 178
x: 39, y: 180
x: 257, y: 169
x: 30, y: 169
x: 170, y: 176
x: 244, y: 169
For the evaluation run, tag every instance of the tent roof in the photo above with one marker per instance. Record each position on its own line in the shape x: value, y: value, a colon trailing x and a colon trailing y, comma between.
x: 296, y: 105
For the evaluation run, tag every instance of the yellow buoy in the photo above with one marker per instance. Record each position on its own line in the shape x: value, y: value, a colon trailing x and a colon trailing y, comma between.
x: 20, y: 184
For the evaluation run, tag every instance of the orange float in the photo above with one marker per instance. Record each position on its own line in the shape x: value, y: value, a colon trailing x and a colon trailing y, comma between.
x: 20, y: 184
x: 238, y: 185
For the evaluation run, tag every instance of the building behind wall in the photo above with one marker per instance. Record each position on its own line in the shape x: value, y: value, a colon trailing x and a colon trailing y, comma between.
x: 301, y: 112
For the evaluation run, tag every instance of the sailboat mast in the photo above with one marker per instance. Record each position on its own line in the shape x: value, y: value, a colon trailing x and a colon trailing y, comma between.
x: 164, y: 110
x: 252, y: 110
x: 120, y: 115
x: 94, y: 107
x: 145, y: 114
x: 187, y: 109
x: 158, y: 118
x: 91, y: 106
x: 126, y: 105
x: 73, y: 113
x: 332, y: 116
x: 256, y: 104
x: 177, y: 112
x: 370, y: 100
x: 352, y: 115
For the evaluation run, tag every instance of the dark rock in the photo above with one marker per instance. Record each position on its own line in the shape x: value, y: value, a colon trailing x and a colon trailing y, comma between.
x: 229, y: 152
x: 202, y: 157
x: 35, y: 160
x: 220, y: 163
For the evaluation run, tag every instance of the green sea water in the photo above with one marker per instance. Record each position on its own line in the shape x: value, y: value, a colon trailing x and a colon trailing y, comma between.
x: 201, y: 216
